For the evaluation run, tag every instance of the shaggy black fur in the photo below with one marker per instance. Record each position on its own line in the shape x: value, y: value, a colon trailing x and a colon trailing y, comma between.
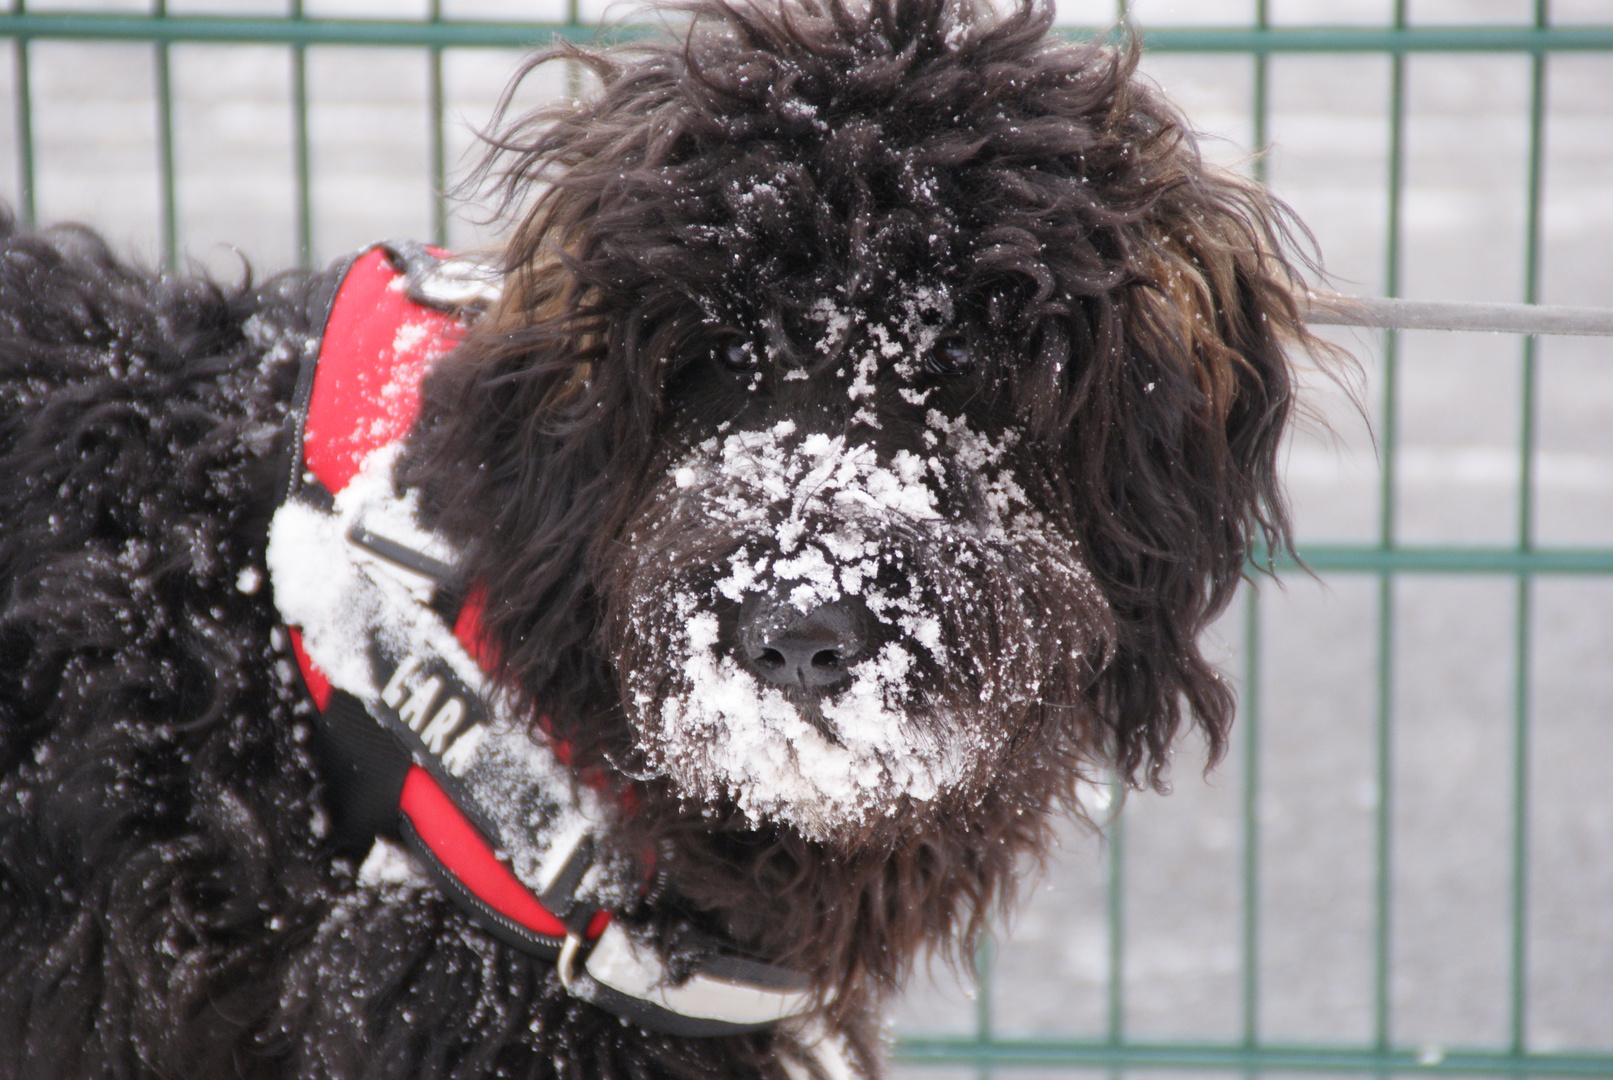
x: 1076, y: 286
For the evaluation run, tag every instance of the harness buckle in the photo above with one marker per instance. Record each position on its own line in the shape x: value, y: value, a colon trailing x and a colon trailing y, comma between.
x: 565, y: 966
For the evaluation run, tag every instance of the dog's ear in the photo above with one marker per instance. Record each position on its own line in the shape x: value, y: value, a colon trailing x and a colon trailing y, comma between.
x: 1152, y: 295
x: 1181, y: 389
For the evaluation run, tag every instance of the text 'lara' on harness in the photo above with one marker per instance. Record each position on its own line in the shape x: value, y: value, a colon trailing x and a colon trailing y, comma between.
x: 415, y: 741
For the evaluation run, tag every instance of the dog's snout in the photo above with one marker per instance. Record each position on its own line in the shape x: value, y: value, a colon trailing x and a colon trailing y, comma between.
x: 811, y: 651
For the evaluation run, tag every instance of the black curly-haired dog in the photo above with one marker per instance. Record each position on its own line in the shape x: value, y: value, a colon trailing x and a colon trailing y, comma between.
x: 879, y: 402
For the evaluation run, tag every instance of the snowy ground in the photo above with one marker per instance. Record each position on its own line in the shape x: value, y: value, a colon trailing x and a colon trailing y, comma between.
x: 1467, y: 137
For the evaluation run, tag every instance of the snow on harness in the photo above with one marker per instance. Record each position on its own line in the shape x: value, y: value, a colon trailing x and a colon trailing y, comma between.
x: 415, y: 740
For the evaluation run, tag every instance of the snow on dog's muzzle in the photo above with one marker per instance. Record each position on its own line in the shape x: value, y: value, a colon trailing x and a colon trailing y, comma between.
x: 828, y: 635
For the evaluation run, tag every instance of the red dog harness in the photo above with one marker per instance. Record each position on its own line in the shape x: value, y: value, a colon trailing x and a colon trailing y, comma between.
x: 412, y: 741
x: 364, y: 394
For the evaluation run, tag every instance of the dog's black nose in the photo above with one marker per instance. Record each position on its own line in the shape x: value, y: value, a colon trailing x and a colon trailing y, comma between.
x: 811, y: 651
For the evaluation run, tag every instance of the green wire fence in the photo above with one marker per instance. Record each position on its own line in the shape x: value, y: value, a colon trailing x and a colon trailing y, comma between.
x: 1384, y: 561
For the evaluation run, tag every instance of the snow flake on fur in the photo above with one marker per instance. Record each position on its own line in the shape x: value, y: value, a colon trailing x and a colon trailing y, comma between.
x: 822, y: 518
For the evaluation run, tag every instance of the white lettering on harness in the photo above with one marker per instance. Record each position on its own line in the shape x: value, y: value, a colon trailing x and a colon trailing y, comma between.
x: 458, y: 755
x: 416, y: 709
x: 436, y: 733
x: 415, y: 699
x: 395, y: 687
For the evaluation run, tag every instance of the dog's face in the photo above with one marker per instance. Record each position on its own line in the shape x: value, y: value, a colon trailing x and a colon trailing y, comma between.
x: 884, y: 399
x: 851, y: 591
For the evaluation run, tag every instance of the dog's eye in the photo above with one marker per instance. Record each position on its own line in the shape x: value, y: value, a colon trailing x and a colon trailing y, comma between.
x: 951, y: 355
x: 736, y: 355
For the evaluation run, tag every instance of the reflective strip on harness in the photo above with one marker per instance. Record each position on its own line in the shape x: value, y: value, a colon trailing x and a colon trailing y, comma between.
x: 629, y: 978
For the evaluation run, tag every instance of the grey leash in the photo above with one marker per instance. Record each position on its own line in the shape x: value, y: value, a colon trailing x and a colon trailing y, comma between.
x: 1333, y: 309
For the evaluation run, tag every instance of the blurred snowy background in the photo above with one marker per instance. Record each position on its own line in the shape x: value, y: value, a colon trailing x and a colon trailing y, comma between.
x: 1467, y: 139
